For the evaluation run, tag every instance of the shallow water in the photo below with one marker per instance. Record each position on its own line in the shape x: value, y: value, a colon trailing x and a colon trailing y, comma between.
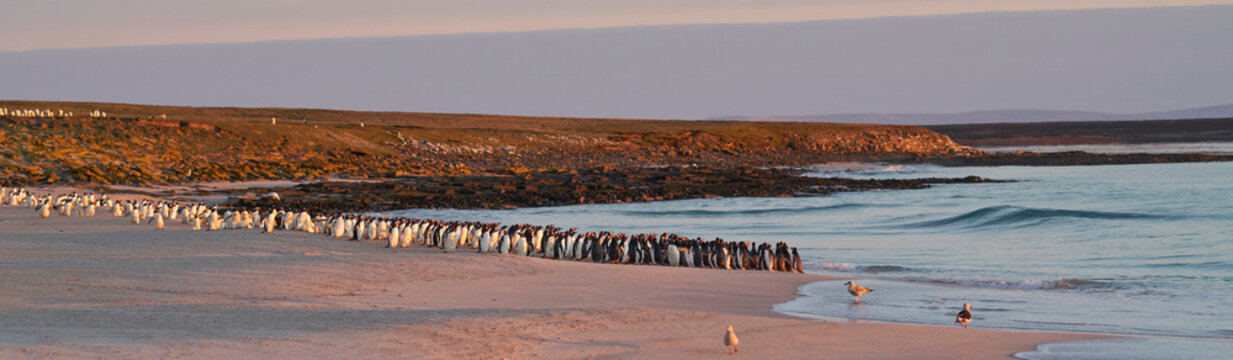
x: 1132, y: 349
x: 1127, y: 249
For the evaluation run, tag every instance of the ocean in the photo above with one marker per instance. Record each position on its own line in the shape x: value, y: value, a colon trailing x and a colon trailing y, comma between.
x: 1144, y: 250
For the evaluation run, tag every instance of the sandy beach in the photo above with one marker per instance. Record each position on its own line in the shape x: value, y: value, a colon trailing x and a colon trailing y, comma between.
x: 98, y: 287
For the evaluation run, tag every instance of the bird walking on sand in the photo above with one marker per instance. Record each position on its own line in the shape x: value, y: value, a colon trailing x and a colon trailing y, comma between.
x: 964, y: 316
x: 857, y: 290
x: 730, y: 341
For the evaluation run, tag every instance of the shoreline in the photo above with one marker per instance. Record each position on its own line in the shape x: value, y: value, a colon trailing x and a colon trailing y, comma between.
x: 289, y: 294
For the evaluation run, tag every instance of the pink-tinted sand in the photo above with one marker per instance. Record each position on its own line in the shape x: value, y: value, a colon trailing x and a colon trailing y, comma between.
x: 98, y: 287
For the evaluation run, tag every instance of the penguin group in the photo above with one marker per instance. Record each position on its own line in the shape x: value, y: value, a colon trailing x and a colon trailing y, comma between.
x: 553, y: 242
x: 200, y: 216
x: 548, y: 242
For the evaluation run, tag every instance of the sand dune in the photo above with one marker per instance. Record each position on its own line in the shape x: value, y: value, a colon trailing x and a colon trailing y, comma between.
x: 97, y: 287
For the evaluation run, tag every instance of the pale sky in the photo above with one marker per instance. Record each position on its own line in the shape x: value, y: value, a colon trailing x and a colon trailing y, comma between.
x: 62, y: 24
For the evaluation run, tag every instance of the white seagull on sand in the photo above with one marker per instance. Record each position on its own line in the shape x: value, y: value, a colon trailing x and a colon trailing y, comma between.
x: 730, y: 341
x: 857, y: 290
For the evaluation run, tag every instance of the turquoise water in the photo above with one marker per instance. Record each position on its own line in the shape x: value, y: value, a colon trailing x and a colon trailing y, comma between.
x: 1126, y: 249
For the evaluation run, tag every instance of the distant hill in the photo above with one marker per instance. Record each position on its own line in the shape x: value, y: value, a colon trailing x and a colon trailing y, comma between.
x: 997, y: 116
x: 173, y: 144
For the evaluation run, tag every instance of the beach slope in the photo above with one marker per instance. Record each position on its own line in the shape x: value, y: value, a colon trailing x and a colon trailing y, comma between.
x: 98, y: 287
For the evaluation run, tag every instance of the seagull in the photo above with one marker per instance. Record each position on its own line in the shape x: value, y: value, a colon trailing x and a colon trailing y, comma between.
x: 857, y: 290
x: 730, y: 341
x: 964, y: 316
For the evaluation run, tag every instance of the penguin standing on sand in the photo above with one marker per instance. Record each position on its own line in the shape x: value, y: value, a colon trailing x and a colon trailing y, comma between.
x: 503, y: 244
x: 520, y: 247
x: 158, y: 222
x: 796, y: 262
x: 673, y: 255
x: 395, y: 236
x: 451, y: 240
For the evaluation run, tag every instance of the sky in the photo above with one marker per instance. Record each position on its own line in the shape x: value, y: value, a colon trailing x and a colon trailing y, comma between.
x: 743, y: 61
x: 64, y: 24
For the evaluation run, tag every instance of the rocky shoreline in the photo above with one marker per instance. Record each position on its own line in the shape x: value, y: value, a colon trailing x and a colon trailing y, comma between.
x: 558, y: 188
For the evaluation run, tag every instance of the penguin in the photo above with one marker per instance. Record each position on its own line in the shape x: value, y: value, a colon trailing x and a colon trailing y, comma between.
x: 674, y: 256
x: 485, y: 242
x: 578, y: 246
x: 395, y: 237
x: 699, y: 259
x: 359, y: 231
x: 520, y: 248
x: 450, y: 241
x: 158, y: 222
x: 796, y: 262
x: 687, y: 259
x: 269, y: 222
x: 550, y: 247
x: 339, y: 226
x: 408, y: 235
x: 503, y: 245
x: 768, y: 257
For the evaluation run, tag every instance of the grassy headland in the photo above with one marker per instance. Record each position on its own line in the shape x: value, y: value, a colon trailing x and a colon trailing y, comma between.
x: 168, y: 144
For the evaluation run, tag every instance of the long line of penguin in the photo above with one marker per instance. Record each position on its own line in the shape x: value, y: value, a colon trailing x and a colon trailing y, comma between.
x: 549, y: 242
x: 530, y: 240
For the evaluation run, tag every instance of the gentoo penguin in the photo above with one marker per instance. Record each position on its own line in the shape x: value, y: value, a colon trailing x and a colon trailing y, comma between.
x: 339, y: 227
x: 407, y: 236
x: 158, y: 221
x: 730, y: 341
x: 550, y: 247
x: 395, y: 237
x: 674, y: 256
x: 359, y: 230
x: 270, y: 222
x: 503, y: 245
x: 857, y: 290
x: 579, y: 242
x: 964, y: 316
x: 484, y: 243
x: 796, y: 262
x: 520, y: 248
x: 45, y: 211
x: 451, y: 241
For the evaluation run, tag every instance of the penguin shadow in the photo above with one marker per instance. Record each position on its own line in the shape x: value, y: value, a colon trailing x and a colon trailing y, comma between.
x: 584, y: 343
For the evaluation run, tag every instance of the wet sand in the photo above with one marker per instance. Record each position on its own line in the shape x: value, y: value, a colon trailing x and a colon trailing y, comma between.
x: 98, y: 287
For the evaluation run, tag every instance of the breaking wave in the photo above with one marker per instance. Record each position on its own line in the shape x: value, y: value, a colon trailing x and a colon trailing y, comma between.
x: 1059, y: 284
x: 1015, y: 216
x: 741, y: 212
